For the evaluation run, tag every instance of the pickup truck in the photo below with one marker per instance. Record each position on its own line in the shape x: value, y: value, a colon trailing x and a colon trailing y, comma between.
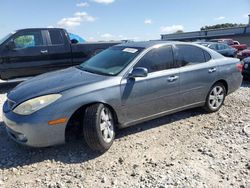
x: 29, y: 52
x: 232, y: 43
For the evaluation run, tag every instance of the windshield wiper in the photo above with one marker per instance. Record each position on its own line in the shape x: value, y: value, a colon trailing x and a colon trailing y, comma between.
x: 92, y: 71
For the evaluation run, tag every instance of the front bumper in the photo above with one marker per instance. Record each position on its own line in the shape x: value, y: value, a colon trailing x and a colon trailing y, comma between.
x: 34, y: 130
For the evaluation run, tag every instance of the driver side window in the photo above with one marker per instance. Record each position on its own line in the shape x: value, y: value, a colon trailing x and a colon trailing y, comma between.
x: 28, y: 40
x: 157, y: 59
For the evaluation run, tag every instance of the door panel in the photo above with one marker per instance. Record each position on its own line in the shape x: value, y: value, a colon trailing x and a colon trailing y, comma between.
x: 59, y: 50
x: 156, y: 93
x: 197, y: 73
x: 27, y: 58
x: 195, y: 82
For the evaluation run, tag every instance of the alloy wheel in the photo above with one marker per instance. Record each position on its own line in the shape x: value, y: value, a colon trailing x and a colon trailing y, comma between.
x: 106, y: 125
x: 216, y: 97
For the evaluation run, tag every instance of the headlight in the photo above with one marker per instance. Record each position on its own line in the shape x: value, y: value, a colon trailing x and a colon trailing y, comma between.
x: 30, y: 106
x: 246, y: 66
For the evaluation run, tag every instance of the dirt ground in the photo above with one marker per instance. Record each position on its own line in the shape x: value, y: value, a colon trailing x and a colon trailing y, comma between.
x: 186, y: 149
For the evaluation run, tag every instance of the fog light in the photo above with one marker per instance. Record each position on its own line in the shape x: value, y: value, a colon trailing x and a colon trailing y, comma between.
x: 21, y: 138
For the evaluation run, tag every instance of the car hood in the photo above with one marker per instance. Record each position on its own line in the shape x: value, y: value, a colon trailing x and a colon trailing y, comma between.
x: 54, y: 82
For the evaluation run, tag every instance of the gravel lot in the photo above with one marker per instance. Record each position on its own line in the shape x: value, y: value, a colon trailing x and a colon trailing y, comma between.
x: 187, y: 149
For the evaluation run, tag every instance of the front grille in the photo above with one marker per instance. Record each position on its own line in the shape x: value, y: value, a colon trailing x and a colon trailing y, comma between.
x: 11, y: 104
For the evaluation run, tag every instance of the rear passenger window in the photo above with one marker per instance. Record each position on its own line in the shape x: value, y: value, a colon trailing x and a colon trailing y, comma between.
x: 207, y: 55
x: 56, y: 37
x: 222, y: 46
x: 189, y: 55
x: 213, y: 46
x: 157, y: 59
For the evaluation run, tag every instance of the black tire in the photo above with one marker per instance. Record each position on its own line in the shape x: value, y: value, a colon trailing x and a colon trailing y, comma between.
x: 93, y: 134
x: 218, y: 97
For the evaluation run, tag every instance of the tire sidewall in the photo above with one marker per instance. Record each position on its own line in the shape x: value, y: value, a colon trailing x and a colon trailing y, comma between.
x: 98, y: 128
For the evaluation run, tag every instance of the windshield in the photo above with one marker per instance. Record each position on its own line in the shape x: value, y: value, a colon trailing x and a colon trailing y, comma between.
x: 2, y: 40
x: 111, y: 61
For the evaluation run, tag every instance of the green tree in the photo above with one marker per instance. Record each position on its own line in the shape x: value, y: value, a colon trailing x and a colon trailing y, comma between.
x: 222, y: 26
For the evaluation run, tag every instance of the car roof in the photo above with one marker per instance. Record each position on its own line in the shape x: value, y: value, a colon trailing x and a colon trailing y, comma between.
x: 32, y: 29
x: 221, y: 43
x: 207, y: 43
x: 148, y: 44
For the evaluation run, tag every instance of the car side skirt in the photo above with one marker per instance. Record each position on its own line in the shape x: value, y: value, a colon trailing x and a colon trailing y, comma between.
x: 131, y: 123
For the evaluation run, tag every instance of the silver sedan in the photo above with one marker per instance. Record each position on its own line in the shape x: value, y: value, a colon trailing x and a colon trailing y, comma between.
x: 121, y: 86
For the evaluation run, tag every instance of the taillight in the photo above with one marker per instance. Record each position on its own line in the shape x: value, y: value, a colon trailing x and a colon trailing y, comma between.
x: 239, y: 67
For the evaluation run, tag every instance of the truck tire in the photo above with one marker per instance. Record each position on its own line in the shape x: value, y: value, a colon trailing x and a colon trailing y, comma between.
x: 98, y: 127
x: 215, y: 97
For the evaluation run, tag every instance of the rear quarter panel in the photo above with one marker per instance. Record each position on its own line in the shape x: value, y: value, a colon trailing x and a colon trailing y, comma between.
x: 229, y: 72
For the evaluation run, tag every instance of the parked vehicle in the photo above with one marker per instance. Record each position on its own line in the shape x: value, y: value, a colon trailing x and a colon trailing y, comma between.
x: 246, y: 68
x: 29, y: 52
x: 121, y: 86
x: 232, y: 43
x: 221, y: 48
x: 237, y: 45
x: 244, y: 53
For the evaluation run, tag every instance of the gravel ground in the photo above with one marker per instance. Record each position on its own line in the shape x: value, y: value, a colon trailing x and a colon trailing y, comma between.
x: 187, y: 149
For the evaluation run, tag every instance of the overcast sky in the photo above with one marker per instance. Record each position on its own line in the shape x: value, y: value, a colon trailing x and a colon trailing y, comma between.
x: 120, y: 19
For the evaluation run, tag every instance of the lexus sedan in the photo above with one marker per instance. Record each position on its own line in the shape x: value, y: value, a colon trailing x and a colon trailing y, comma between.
x: 121, y: 86
x: 221, y: 48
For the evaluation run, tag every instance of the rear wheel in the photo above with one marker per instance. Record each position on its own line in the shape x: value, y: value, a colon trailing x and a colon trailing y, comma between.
x: 98, y: 127
x: 215, y: 97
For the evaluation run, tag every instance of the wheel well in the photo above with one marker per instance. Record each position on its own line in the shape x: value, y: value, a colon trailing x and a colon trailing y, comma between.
x: 74, y: 128
x: 224, y: 83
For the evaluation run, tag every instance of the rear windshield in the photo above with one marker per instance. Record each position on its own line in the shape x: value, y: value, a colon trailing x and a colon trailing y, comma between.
x: 111, y: 61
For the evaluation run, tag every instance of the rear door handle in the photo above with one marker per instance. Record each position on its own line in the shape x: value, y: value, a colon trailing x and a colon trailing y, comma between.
x: 212, y: 70
x: 44, y: 51
x: 172, y: 78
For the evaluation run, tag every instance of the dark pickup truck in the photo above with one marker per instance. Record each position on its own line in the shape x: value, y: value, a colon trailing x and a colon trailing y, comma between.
x: 29, y: 52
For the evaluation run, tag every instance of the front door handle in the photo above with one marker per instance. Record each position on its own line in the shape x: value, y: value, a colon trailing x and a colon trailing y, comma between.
x: 44, y: 51
x: 212, y: 70
x: 172, y: 78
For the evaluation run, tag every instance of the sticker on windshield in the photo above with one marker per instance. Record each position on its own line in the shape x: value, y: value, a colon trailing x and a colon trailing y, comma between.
x: 130, y: 50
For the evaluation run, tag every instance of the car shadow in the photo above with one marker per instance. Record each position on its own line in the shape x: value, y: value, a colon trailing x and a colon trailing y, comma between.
x: 76, y: 151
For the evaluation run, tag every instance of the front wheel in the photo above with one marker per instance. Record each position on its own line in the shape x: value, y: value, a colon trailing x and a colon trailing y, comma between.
x: 215, y: 98
x: 98, y: 127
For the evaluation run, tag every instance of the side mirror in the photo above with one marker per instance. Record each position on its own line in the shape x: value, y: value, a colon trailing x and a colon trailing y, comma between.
x: 74, y: 41
x: 139, y: 72
x: 10, y: 45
